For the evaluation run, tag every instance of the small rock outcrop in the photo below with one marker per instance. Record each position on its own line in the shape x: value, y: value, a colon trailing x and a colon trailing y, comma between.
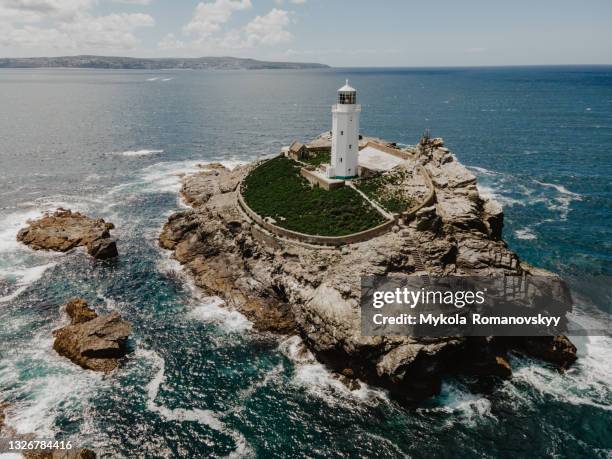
x: 91, y: 341
x: 288, y: 287
x: 63, y: 230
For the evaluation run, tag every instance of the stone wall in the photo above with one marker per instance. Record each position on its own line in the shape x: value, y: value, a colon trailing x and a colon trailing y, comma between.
x: 311, y: 238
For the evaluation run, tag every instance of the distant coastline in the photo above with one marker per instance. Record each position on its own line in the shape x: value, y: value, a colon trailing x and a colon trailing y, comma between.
x: 134, y: 63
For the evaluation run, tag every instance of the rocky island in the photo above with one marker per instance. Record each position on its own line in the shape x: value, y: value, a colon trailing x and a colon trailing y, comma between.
x: 310, y: 286
x: 91, y: 341
x: 64, y: 230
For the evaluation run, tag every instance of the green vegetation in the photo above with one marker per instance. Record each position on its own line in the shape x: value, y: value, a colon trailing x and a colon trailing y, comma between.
x: 276, y: 189
x: 316, y: 159
x: 387, y: 190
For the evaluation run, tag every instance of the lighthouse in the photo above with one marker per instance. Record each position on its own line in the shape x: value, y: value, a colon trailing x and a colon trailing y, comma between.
x: 345, y: 134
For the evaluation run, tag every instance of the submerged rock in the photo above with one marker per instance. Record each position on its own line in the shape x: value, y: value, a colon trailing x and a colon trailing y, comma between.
x: 287, y: 287
x: 91, y: 341
x: 63, y: 230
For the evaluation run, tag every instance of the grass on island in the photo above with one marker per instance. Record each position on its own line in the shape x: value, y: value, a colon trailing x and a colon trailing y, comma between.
x: 386, y: 190
x: 276, y: 189
x: 318, y: 158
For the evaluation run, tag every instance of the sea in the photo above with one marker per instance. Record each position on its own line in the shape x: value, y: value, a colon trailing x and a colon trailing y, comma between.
x: 200, y: 382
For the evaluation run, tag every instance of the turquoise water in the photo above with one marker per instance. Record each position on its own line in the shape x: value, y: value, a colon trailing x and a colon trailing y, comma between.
x: 200, y: 382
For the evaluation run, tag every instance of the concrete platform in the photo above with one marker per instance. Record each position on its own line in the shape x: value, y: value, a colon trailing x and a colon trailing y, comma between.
x: 318, y: 178
x: 376, y: 159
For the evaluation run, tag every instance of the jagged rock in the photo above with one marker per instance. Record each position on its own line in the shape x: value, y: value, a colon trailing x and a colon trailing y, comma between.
x: 91, y: 341
x: 427, y: 219
x: 555, y: 349
x: 64, y: 230
x: 494, y: 218
x: 3, y: 407
x: 287, y: 287
x: 102, y: 249
x: 79, y: 312
x: 198, y: 188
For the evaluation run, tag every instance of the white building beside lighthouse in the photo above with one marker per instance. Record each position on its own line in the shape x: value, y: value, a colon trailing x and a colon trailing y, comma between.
x: 345, y: 134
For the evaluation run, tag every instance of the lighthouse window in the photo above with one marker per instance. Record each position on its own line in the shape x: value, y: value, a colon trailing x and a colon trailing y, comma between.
x: 340, y: 159
x: 350, y: 146
x: 347, y: 98
x: 341, y: 132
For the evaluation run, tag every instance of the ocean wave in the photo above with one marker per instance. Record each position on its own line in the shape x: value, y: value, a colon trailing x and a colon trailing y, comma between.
x: 42, y: 385
x: 207, y: 309
x: 205, y: 417
x: 560, y: 188
x: 508, y: 193
x: 488, y: 192
x: 166, y: 176
x: 318, y: 381
x: 561, y: 203
x: 244, y: 394
x: 21, y: 279
x: 153, y: 79
x: 211, y: 311
x: 10, y: 226
x: 482, y: 170
x: 466, y: 408
x: 586, y: 383
x: 167, y: 79
x: 526, y: 234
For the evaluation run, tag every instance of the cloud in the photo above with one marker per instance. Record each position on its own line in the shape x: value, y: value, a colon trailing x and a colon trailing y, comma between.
x: 67, y: 25
x: 38, y: 10
x: 206, y: 28
x: 171, y: 42
x: 209, y: 17
x: 295, y: 2
x: 269, y: 29
x: 111, y: 31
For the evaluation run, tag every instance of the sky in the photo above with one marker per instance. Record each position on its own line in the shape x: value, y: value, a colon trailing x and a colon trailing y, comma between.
x: 343, y: 33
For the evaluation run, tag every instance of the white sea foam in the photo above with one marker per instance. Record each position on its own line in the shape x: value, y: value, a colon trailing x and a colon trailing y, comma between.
x: 491, y: 193
x: 142, y: 152
x: 482, y: 170
x: 560, y: 188
x: 22, y: 278
x: 320, y: 382
x: 526, y: 234
x: 166, y: 176
x: 57, y: 386
x: 205, y: 417
x: 211, y: 310
x: 587, y: 382
x: 466, y: 407
x: 153, y: 79
x: 167, y: 79
x: 10, y: 225
x: 561, y: 203
x: 246, y: 393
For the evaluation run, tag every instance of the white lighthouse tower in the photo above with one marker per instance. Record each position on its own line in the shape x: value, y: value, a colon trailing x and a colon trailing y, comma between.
x: 345, y: 134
